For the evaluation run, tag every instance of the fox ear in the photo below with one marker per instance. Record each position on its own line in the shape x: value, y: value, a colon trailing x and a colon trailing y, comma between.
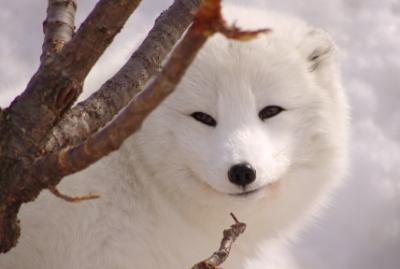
x: 318, y: 49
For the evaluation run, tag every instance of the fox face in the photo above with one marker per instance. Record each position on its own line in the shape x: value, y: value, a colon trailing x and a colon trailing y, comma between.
x: 257, y: 125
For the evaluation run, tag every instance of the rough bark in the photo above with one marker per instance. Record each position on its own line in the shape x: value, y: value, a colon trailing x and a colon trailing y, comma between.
x: 93, y: 113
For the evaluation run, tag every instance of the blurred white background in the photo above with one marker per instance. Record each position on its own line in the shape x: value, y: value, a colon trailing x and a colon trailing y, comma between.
x: 362, y: 227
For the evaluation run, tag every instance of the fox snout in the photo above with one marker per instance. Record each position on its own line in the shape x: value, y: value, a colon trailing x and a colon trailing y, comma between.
x: 242, y: 174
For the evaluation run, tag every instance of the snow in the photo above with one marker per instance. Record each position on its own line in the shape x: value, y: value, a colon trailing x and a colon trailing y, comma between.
x: 362, y: 227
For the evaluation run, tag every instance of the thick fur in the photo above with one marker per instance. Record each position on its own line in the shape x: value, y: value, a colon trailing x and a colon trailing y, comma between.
x: 165, y: 195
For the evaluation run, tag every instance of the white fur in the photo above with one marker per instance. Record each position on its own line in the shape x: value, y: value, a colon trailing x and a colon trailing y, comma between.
x: 166, y: 197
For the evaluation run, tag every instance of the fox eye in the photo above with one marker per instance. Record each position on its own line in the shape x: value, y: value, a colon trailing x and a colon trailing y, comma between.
x: 269, y: 112
x: 204, y: 118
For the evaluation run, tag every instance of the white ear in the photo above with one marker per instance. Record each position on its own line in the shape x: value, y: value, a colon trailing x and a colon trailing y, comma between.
x: 318, y: 48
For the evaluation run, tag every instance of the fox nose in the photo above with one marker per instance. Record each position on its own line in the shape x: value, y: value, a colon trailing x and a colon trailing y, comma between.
x: 242, y: 174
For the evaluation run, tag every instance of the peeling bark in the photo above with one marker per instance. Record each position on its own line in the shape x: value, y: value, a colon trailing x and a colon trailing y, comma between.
x: 58, y: 27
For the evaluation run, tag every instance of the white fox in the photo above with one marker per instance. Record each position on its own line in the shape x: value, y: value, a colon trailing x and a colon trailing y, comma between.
x: 257, y: 128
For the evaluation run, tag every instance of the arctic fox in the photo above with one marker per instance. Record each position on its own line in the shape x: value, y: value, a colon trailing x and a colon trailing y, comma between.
x: 257, y: 128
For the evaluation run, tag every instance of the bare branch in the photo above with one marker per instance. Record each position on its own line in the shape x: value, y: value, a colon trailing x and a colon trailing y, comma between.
x: 50, y: 92
x: 92, y: 114
x: 58, y: 27
x: 229, y: 237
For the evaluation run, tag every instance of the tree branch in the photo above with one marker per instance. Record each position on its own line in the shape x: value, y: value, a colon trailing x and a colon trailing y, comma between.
x: 58, y: 27
x: 51, y: 91
x: 229, y: 237
x: 93, y: 113
x: 57, y: 84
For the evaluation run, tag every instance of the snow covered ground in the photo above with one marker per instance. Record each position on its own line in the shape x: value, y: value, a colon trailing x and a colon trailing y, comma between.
x: 362, y: 228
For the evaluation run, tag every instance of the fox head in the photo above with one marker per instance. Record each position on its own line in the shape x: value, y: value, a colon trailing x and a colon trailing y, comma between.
x: 257, y: 126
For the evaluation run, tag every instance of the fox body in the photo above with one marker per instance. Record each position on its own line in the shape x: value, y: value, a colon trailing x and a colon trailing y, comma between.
x: 258, y: 128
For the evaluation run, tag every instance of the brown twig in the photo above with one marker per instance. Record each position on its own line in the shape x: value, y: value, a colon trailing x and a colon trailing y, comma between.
x: 58, y: 27
x: 71, y: 199
x: 229, y: 237
x: 212, y: 21
x: 90, y: 115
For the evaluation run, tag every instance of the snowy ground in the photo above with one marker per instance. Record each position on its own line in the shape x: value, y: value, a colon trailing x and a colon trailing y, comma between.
x: 362, y: 228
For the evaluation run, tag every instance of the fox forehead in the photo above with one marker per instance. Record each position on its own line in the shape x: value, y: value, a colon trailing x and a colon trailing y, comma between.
x: 229, y: 74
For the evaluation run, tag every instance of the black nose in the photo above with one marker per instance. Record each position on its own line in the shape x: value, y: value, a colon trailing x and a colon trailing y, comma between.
x: 242, y: 174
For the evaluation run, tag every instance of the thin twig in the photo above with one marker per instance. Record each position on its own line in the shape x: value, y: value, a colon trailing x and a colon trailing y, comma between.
x: 71, y: 199
x: 229, y: 237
